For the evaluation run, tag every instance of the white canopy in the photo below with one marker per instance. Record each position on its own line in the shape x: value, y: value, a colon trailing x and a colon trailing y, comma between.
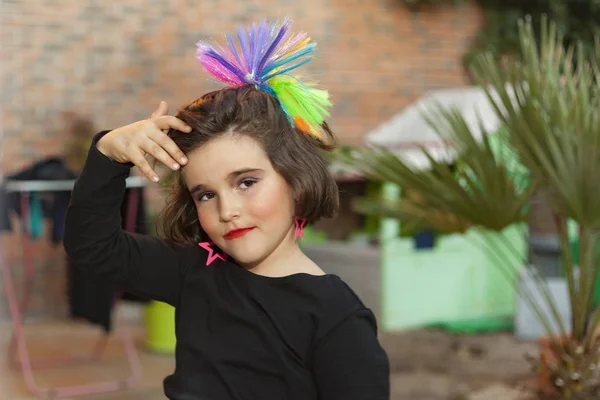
x: 407, y: 129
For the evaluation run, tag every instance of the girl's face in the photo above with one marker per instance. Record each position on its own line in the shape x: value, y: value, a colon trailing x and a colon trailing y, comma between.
x: 243, y: 204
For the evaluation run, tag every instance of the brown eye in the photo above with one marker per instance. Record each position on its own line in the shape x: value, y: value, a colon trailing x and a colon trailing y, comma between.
x: 206, y: 196
x: 247, y: 183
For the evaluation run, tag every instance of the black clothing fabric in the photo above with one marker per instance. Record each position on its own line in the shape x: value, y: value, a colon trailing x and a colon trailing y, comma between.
x: 240, y: 336
x: 54, y: 204
x: 89, y: 297
x: 92, y: 298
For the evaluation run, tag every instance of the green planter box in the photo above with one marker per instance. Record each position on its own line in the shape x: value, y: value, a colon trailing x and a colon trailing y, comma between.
x: 456, y: 284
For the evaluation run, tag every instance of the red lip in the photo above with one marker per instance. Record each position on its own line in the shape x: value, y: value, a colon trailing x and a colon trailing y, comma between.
x: 236, y: 233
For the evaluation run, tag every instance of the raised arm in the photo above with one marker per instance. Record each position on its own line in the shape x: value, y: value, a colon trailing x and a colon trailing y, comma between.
x: 95, y: 241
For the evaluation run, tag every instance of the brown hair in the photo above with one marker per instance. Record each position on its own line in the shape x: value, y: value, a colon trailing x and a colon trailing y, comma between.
x: 295, y: 155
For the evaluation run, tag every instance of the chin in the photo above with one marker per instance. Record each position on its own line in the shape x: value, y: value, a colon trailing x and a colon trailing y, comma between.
x: 246, y: 255
x: 247, y: 259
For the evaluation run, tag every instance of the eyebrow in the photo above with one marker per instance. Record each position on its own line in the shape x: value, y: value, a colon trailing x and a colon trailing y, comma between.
x: 232, y: 175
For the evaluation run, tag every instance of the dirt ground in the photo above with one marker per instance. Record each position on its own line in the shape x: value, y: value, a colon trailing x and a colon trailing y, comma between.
x: 436, y: 365
x: 425, y: 364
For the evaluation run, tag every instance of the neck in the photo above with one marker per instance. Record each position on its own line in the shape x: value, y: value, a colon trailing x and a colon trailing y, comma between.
x: 286, y: 259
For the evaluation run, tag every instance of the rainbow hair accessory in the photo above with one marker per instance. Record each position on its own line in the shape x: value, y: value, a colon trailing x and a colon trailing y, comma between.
x: 263, y: 57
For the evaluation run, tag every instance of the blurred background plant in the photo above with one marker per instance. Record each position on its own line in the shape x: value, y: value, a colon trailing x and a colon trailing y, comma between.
x: 547, y: 99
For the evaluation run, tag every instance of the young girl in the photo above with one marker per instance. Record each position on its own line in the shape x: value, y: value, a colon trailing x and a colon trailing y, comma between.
x: 255, y: 318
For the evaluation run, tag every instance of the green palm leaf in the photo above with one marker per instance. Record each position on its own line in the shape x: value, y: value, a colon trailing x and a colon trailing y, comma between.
x: 551, y: 114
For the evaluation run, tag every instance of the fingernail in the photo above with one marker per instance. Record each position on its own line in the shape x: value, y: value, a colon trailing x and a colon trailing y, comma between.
x: 183, y: 160
x: 188, y: 129
x: 155, y: 179
x: 175, y: 166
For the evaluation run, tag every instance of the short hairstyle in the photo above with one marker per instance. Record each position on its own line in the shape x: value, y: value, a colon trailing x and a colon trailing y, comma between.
x: 297, y: 156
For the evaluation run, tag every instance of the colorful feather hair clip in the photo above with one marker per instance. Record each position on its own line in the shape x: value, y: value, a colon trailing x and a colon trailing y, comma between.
x: 264, y: 56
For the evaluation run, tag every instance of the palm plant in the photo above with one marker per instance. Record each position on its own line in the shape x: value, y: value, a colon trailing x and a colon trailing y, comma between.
x: 549, y: 105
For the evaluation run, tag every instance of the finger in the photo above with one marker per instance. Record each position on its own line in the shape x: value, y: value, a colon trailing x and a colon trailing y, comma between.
x: 156, y: 151
x: 161, y: 110
x: 144, y: 166
x: 169, y: 145
x: 168, y: 122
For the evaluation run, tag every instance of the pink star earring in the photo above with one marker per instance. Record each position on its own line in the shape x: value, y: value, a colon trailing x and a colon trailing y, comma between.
x: 212, y: 253
x: 299, y: 231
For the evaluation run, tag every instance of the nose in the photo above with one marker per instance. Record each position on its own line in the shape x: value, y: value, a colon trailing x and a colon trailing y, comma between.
x: 229, y: 208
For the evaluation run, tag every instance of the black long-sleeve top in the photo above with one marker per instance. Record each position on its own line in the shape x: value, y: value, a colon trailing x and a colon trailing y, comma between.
x: 240, y: 336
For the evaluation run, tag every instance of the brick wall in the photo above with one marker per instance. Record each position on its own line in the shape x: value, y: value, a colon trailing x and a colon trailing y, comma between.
x: 114, y: 60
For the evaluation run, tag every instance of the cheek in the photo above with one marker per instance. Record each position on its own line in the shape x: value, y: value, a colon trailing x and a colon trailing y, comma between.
x: 273, y: 202
x: 207, y: 219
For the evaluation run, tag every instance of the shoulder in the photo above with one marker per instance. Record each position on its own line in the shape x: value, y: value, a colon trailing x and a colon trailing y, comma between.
x: 339, y: 303
x: 334, y: 292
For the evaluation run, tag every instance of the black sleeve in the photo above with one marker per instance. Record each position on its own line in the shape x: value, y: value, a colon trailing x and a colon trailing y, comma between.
x: 94, y: 240
x: 350, y: 364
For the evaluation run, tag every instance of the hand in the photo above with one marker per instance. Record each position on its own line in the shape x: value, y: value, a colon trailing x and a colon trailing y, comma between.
x: 132, y: 142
